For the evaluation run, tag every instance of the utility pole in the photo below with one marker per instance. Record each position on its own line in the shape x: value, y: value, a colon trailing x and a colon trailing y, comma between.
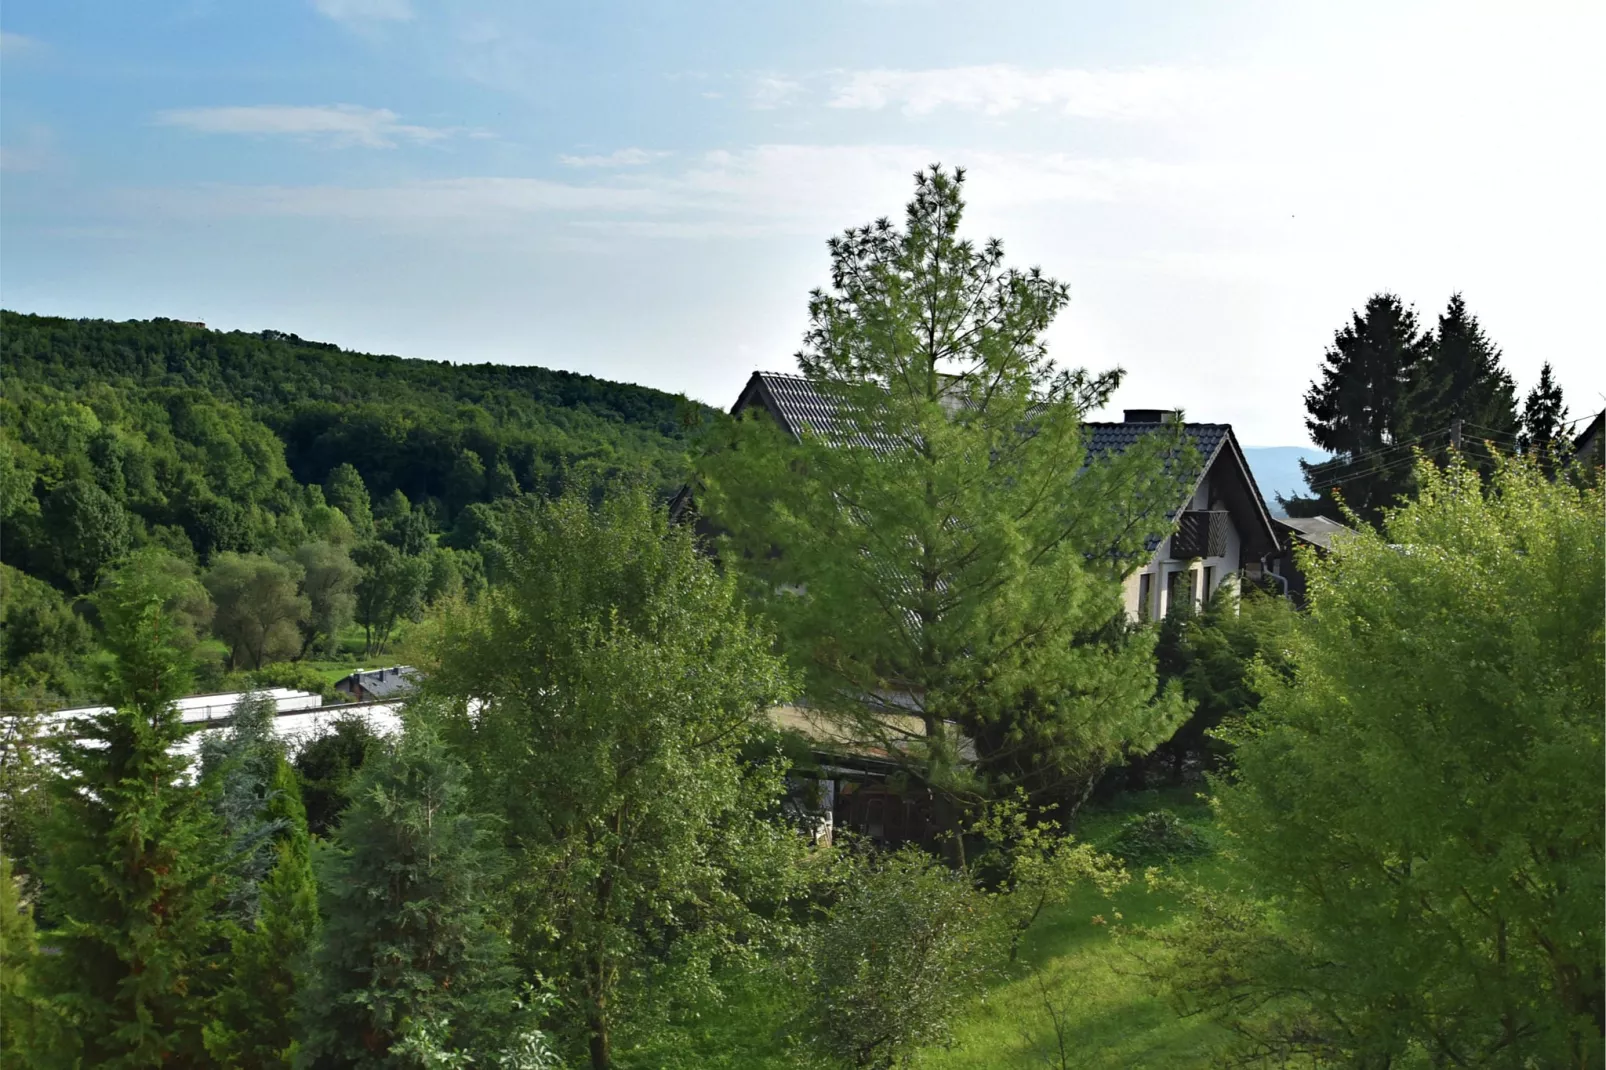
x: 1455, y: 434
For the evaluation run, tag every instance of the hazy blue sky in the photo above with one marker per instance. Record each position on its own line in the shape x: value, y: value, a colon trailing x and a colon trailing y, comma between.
x: 643, y: 191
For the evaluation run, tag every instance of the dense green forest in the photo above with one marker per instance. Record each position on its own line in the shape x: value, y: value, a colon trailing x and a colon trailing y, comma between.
x: 278, y: 465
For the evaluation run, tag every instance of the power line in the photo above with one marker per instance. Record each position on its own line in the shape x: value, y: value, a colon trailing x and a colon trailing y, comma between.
x: 1348, y: 468
x: 1384, y: 468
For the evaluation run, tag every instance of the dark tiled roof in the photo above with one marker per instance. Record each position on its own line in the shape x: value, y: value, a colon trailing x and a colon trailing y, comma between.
x: 383, y: 683
x: 1113, y: 438
x: 796, y: 402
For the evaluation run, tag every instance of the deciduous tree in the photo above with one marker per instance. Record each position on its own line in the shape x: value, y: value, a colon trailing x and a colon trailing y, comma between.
x: 601, y: 693
x: 259, y: 607
x: 329, y: 580
x: 1416, y: 813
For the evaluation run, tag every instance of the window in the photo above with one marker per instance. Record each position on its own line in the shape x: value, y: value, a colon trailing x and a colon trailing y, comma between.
x: 1179, y: 590
x: 1146, y: 596
x: 1209, y: 582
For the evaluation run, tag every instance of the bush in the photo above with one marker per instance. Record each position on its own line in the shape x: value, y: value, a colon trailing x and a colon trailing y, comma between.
x: 297, y: 676
x: 1157, y: 836
x: 895, y: 957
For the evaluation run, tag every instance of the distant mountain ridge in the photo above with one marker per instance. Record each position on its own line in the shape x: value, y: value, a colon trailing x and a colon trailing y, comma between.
x: 1277, y: 471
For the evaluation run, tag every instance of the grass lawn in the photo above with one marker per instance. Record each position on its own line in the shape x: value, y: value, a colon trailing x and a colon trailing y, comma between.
x: 1109, y: 1015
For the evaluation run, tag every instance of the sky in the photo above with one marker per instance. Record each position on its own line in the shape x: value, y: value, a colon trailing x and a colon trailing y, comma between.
x: 643, y: 191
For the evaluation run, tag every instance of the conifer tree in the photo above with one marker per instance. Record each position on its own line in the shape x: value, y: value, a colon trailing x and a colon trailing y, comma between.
x: 1462, y: 379
x: 1544, y: 416
x: 238, y: 767
x: 269, y: 956
x: 938, y: 551
x: 1360, y: 411
x: 133, y: 878
x: 19, y: 1006
x: 406, y: 942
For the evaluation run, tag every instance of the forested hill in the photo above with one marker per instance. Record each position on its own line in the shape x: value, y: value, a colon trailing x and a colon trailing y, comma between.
x: 116, y: 436
x: 294, y: 386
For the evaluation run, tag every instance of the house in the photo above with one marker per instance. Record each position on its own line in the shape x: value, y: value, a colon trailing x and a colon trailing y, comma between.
x: 1314, y: 532
x: 374, y: 685
x: 1223, y: 526
x: 1587, y: 446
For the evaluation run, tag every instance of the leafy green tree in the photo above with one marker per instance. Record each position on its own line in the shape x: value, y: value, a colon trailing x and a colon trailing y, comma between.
x: 409, y: 533
x: 1215, y: 654
x: 467, y: 484
x: 259, y: 607
x: 896, y: 955
x: 1416, y: 814
x: 935, y: 555
x: 602, y: 694
x: 269, y: 953
x: 1461, y: 378
x: 326, y: 766
x: 1360, y: 411
x: 87, y: 529
x: 390, y: 589
x: 329, y: 580
x: 1544, y: 415
x: 345, y: 490
x: 134, y: 877
x: 41, y: 639
x: 408, y: 942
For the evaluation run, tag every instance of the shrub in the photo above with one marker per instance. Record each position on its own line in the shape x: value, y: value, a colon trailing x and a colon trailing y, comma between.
x: 895, y: 957
x: 1157, y: 836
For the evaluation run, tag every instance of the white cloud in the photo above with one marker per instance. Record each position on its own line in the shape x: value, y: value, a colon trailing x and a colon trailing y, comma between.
x: 997, y: 89
x: 16, y: 44
x: 339, y: 125
x: 365, y: 10
x: 617, y: 158
x: 771, y: 91
x: 765, y: 190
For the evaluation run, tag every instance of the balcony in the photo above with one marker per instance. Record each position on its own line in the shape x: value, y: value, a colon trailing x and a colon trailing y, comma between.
x: 1200, y: 533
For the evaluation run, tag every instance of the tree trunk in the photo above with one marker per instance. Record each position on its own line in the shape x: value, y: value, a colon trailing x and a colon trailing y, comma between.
x: 597, y: 1015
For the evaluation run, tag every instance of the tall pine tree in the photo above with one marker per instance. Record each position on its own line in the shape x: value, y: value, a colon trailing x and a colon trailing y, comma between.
x: 1462, y: 379
x: 1360, y: 411
x: 407, y: 943
x: 1544, y: 416
x: 135, y: 854
x: 938, y: 551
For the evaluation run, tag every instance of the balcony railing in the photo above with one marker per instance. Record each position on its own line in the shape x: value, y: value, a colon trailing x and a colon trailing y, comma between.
x: 1200, y: 533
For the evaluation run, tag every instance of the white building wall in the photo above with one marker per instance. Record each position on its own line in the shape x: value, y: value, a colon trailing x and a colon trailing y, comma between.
x: 1162, y: 567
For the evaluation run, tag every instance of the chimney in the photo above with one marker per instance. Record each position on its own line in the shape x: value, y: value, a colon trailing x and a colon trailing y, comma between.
x: 1151, y: 416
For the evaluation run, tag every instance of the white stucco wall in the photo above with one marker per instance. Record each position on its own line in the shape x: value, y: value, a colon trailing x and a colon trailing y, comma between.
x: 1163, y: 566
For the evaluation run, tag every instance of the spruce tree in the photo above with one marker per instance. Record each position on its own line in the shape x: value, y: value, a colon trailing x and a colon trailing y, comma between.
x: 1360, y: 412
x: 269, y: 955
x: 1544, y: 416
x: 407, y: 943
x: 1462, y: 379
x: 133, y: 878
x: 238, y: 766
